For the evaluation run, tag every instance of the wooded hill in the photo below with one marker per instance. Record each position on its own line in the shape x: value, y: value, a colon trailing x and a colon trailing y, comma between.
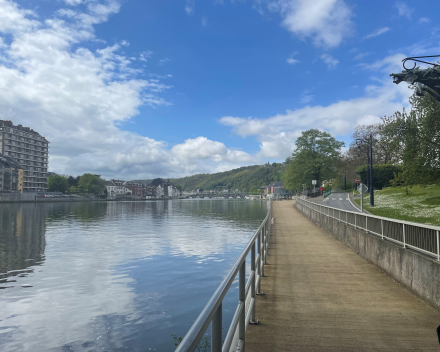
x: 246, y: 179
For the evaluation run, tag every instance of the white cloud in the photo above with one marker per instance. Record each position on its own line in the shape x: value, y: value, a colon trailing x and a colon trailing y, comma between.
x: 361, y: 56
x: 145, y: 55
x: 277, y: 134
x: 292, y: 61
x: 424, y: 20
x: 329, y: 60
x: 306, y: 97
x: 78, y: 98
x: 377, y: 33
x: 326, y: 22
x: 392, y: 63
x: 189, y: 6
x: 204, y: 21
x: 404, y: 10
x: 163, y: 61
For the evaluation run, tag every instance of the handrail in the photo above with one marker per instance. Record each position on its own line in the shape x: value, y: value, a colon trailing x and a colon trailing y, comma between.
x: 420, y: 237
x: 326, y: 194
x: 212, y: 313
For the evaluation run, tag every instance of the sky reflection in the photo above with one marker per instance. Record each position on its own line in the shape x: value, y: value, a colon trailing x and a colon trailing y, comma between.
x: 114, y: 276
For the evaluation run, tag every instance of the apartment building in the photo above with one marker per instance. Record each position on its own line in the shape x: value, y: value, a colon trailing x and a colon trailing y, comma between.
x: 30, y: 150
x: 11, y: 175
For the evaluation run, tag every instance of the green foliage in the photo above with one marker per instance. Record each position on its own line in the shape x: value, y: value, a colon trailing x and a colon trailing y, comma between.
x: 202, y: 347
x: 382, y: 174
x: 56, y: 183
x: 91, y: 184
x: 327, y: 187
x: 73, y: 181
x: 245, y: 179
x: 417, y: 134
x: 314, y: 159
x: 179, y: 187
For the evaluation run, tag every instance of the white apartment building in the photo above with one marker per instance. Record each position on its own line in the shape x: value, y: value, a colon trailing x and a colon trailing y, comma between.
x: 30, y: 150
x: 116, y: 189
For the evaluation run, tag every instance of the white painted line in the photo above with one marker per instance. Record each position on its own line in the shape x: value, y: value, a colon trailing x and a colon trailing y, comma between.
x: 354, y: 205
x: 340, y: 199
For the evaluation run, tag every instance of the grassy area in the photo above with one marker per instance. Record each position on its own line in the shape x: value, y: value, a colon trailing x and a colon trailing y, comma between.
x: 421, y: 205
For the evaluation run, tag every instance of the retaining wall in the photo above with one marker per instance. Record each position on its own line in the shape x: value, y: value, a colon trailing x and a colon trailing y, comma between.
x: 417, y: 272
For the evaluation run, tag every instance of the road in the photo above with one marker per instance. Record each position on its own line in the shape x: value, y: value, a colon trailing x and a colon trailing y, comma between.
x: 341, y: 201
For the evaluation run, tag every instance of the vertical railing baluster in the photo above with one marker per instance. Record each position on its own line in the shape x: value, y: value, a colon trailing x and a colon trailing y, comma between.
x: 216, y: 330
x: 242, y: 300
x: 355, y: 217
x: 404, y: 244
x: 262, y: 252
x: 254, y: 278
x: 366, y: 223
x: 381, y: 227
x: 438, y: 246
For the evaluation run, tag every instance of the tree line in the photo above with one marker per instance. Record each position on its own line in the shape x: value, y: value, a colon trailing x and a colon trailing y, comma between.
x: 87, y: 183
x: 406, y: 151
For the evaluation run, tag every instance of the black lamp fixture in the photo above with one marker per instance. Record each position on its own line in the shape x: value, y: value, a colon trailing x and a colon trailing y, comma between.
x: 427, y: 80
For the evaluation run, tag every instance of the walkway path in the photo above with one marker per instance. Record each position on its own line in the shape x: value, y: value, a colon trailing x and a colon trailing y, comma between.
x: 321, y: 296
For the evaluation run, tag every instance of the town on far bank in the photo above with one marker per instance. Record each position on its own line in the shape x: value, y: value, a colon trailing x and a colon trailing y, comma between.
x: 24, y: 176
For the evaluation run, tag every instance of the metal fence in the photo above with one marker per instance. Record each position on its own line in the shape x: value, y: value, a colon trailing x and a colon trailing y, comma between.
x: 422, y: 238
x: 245, y: 312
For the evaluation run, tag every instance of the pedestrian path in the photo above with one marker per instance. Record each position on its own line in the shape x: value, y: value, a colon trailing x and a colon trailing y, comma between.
x: 321, y: 296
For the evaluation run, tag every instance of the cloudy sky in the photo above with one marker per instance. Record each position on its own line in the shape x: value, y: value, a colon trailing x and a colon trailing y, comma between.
x: 146, y: 88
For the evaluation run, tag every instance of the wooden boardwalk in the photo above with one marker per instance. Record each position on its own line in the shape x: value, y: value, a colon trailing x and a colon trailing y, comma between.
x: 321, y: 296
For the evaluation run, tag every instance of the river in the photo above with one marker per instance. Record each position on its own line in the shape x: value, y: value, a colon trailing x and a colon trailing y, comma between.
x: 115, y: 276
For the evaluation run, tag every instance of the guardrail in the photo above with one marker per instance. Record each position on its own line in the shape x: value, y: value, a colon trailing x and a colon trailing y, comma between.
x: 326, y: 194
x: 419, y: 237
x: 245, y: 312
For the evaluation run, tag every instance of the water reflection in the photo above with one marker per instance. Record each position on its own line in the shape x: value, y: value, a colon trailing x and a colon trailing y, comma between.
x: 22, y: 240
x: 117, y: 275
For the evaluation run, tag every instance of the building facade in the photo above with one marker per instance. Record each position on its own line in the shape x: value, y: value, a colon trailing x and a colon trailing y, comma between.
x: 30, y: 150
x: 11, y: 175
x: 116, y: 189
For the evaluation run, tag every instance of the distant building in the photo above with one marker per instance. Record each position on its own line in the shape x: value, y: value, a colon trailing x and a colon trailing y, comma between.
x: 277, y: 189
x: 116, y: 189
x: 159, y: 188
x: 136, y: 189
x: 30, y: 150
x: 11, y: 175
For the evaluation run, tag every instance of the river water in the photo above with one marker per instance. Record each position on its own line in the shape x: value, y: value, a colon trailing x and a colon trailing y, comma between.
x: 115, y: 276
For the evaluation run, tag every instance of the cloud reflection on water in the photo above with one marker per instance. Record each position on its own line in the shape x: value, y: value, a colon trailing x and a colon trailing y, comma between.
x: 109, y: 272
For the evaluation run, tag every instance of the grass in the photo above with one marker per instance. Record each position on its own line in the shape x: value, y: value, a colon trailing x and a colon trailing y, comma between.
x: 421, y: 204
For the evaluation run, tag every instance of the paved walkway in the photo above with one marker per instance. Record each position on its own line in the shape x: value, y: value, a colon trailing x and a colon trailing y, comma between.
x: 321, y: 296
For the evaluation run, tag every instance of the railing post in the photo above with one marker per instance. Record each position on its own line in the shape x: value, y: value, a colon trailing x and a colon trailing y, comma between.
x: 254, y: 278
x: 366, y: 223
x: 355, y: 217
x: 346, y: 218
x: 259, y: 263
x: 404, y: 244
x: 242, y: 299
x: 438, y: 247
x: 266, y: 243
x: 262, y: 252
x: 381, y: 227
x: 216, y: 330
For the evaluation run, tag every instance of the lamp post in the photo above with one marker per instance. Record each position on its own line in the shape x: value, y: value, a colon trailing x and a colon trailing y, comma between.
x: 425, y: 79
x: 369, y: 142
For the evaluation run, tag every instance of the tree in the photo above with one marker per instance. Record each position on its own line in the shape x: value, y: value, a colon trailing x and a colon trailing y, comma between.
x: 91, y: 183
x: 73, y: 181
x: 315, y: 158
x: 180, y: 188
x: 56, y: 183
x: 417, y: 135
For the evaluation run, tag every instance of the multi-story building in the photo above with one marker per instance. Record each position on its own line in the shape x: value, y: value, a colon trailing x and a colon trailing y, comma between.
x: 136, y: 189
x: 30, y: 150
x: 11, y: 175
x: 117, y: 189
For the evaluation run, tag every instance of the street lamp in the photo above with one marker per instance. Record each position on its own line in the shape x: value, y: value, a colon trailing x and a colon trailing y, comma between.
x: 427, y: 80
x: 369, y: 141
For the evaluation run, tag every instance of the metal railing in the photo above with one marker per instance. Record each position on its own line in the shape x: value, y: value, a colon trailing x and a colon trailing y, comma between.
x: 419, y: 237
x: 326, y: 194
x: 245, y: 312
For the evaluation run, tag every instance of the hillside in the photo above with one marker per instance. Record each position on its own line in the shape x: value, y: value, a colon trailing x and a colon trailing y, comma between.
x: 247, y: 178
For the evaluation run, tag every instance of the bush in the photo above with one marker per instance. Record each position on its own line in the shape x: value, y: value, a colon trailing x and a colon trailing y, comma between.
x: 382, y: 174
x: 56, y: 183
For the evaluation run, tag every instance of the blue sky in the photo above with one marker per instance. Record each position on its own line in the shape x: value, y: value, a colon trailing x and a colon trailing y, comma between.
x: 142, y: 88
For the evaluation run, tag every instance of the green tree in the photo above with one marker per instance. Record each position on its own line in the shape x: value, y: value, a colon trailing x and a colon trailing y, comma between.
x: 91, y: 184
x: 56, y: 183
x: 315, y: 158
x: 73, y: 181
x: 180, y: 188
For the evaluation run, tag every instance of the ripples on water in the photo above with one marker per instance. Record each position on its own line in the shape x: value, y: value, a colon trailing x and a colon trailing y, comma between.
x: 116, y: 276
